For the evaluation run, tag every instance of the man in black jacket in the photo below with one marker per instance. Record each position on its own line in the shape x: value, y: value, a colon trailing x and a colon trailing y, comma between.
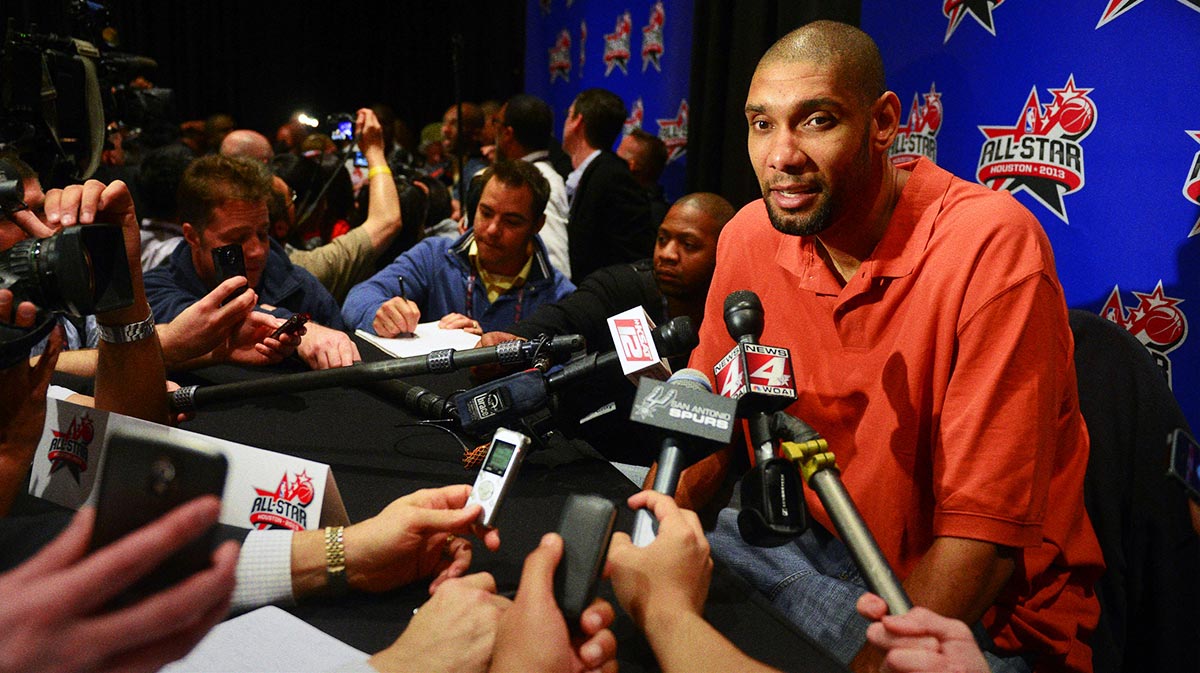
x: 674, y: 283
x: 609, y: 219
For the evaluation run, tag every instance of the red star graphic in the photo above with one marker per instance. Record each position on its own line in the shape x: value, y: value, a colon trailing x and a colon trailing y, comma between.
x: 674, y: 132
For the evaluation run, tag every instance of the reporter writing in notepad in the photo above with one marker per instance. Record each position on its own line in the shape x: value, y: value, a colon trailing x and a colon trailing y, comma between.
x: 490, y: 277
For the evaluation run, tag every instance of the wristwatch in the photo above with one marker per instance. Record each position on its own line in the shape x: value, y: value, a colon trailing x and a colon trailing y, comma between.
x: 335, y: 560
x: 123, y: 334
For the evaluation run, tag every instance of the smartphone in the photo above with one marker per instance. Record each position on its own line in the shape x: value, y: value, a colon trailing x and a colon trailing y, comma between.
x: 291, y: 325
x: 586, y: 527
x: 229, y: 261
x: 143, y: 478
x: 360, y: 159
x: 1185, y: 462
x: 498, y: 473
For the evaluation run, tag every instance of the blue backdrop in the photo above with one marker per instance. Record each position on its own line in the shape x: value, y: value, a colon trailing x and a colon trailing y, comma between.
x: 639, y: 49
x: 1088, y: 111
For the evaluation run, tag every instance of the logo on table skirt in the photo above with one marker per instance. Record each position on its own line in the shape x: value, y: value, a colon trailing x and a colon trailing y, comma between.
x: 980, y: 10
x: 69, y: 448
x: 918, y: 136
x: 1191, y: 187
x: 1115, y: 8
x: 1041, y: 154
x: 286, y: 506
x: 1156, y: 320
x: 652, y: 38
x: 616, y: 46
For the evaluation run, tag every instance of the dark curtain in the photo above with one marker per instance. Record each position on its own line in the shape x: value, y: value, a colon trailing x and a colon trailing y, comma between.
x: 727, y: 40
x: 261, y: 61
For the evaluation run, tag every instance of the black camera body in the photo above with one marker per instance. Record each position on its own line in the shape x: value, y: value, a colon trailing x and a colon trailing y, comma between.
x: 80, y: 271
x: 340, y: 127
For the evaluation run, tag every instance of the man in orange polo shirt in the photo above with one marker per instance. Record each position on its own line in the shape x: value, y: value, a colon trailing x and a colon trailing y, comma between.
x: 930, y: 345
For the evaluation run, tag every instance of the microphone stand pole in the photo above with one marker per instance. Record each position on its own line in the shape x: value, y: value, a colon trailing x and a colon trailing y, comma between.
x: 191, y: 398
x: 819, y: 469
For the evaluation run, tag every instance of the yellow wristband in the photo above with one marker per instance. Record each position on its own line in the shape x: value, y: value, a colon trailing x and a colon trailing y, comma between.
x: 378, y: 170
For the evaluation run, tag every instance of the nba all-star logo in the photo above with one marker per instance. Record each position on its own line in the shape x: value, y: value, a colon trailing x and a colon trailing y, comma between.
x: 652, y: 37
x: 1191, y: 188
x: 616, y: 46
x: 674, y: 132
x: 1156, y: 321
x: 69, y: 448
x: 1041, y: 154
x: 1115, y: 8
x: 980, y: 10
x: 636, y: 115
x: 560, y: 57
x: 286, y: 506
x: 918, y: 136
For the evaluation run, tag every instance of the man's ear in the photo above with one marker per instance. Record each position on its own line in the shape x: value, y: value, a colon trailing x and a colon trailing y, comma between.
x: 541, y: 220
x: 191, y: 235
x: 885, y: 121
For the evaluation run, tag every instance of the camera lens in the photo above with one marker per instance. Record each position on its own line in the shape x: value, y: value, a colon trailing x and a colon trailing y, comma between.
x: 162, y: 476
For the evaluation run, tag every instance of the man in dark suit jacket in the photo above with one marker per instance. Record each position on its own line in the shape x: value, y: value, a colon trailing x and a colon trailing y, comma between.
x: 609, y: 220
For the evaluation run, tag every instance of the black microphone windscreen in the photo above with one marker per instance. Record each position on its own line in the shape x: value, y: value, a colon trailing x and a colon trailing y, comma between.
x: 676, y: 337
x: 744, y: 315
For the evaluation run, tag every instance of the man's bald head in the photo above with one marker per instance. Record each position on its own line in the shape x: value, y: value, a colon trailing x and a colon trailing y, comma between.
x: 685, y: 253
x: 848, y: 50
x: 249, y: 144
x: 715, y: 210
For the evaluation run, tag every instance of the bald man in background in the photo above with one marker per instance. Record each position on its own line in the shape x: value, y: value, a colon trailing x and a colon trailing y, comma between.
x: 247, y: 143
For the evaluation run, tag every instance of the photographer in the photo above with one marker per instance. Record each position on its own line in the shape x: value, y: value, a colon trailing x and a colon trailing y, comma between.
x: 223, y: 201
x: 349, y: 259
x: 206, y: 333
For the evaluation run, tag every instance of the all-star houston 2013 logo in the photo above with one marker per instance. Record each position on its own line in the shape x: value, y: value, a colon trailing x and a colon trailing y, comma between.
x: 286, y: 506
x: 1156, y: 320
x: 1041, y: 154
x: 674, y: 132
x: 69, y: 448
x: 560, y: 57
x: 1191, y: 186
x: 616, y: 46
x: 980, y: 10
x: 918, y: 136
x: 1115, y: 8
x: 652, y: 37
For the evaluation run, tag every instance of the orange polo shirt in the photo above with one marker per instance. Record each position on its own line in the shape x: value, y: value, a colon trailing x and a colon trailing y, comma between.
x: 942, y: 377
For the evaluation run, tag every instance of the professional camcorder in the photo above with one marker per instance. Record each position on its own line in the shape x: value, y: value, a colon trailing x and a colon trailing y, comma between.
x: 80, y: 271
x: 61, y: 96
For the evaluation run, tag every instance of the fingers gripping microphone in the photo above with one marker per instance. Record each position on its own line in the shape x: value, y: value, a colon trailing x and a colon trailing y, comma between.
x: 760, y: 379
x: 694, y: 423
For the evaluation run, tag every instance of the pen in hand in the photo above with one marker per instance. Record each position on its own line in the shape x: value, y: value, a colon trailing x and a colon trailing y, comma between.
x: 403, y: 295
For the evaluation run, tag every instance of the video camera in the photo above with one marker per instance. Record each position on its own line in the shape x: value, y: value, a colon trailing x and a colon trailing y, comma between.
x: 61, y: 96
x: 79, y: 271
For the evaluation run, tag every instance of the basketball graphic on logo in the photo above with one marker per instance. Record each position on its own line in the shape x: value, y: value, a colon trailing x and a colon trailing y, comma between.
x: 1076, y: 116
x: 1164, y: 326
x: 304, y: 492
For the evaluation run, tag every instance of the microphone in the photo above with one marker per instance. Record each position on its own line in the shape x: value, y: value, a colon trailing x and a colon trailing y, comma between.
x: 675, y: 337
x: 489, y: 406
x: 694, y: 423
x: 759, y: 377
x: 558, y: 349
x: 810, y: 451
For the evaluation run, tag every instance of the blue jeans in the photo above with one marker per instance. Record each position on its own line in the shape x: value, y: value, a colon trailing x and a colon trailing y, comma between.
x: 814, y: 582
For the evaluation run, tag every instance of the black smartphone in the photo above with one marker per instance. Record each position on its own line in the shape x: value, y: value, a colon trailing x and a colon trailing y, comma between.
x: 586, y: 527
x: 1185, y: 462
x: 360, y: 159
x: 143, y: 478
x: 291, y: 325
x: 229, y: 261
